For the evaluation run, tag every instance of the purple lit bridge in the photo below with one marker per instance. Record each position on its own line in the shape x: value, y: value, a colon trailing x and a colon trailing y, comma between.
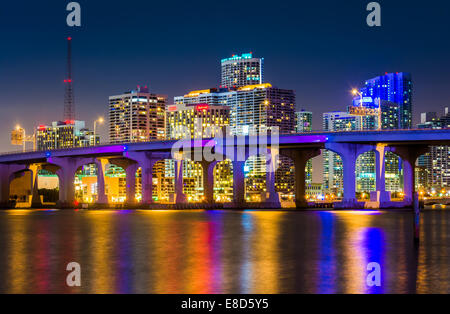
x: 407, y: 144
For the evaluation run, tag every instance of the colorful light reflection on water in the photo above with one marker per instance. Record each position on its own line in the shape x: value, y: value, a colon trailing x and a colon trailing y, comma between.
x: 222, y: 251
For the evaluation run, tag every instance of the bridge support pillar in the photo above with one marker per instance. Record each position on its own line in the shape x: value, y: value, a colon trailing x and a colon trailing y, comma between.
x: 180, y: 197
x: 35, y: 197
x: 380, y: 195
x: 273, y: 199
x: 300, y: 157
x: 66, y: 175
x: 101, y: 193
x: 238, y: 184
x: 349, y: 153
x: 146, y: 161
x: 208, y: 180
x: 409, y: 155
x: 131, y: 183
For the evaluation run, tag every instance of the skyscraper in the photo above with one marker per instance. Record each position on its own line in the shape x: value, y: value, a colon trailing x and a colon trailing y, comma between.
x: 255, y: 108
x: 304, y: 121
x: 64, y: 134
x: 304, y: 124
x: 196, y: 121
x: 238, y: 71
x: 395, y: 88
x: 137, y: 116
x: 261, y: 107
x: 199, y: 121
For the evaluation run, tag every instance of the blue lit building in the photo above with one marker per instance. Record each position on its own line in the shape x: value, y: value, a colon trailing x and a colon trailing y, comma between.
x: 392, y: 87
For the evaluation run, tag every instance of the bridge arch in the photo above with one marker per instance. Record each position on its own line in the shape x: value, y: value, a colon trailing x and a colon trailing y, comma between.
x: 21, y: 187
x: 48, y: 184
x: 333, y: 173
x: 365, y: 175
x: 223, y: 181
x: 285, y: 178
x: 163, y: 181
x: 86, y: 183
x: 255, y: 170
x: 366, y: 178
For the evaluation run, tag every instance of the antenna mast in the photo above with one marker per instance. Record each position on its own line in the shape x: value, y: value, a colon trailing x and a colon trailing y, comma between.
x: 69, y: 104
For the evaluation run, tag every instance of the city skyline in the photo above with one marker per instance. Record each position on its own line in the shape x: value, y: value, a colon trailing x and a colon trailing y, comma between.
x: 224, y: 151
x: 95, y: 67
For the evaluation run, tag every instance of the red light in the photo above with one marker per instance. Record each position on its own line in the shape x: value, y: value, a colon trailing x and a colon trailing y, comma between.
x: 172, y: 108
x: 69, y: 38
x: 202, y: 107
x: 41, y: 127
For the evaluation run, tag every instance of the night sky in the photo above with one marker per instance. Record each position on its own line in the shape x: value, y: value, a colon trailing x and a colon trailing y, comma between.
x: 321, y: 49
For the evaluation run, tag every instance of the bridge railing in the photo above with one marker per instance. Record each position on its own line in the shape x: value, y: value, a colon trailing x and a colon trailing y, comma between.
x: 312, y: 132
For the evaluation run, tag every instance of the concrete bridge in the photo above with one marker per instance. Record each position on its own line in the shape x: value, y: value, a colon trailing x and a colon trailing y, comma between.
x: 407, y: 144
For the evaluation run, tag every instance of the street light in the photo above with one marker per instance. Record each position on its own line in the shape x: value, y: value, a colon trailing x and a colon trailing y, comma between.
x: 363, y: 112
x: 356, y: 92
x: 99, y: 120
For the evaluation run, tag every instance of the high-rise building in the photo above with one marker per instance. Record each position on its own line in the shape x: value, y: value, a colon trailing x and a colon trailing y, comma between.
x: 65, y: 134
x: 261, y: 107
x: 304, y: 121
x: 304, y: 124
x: 238, y: 71
x: 435, y: 165
x: 395, y: 88
x: 137, y: 116
x: 255, y: 108
x: 198, y: 121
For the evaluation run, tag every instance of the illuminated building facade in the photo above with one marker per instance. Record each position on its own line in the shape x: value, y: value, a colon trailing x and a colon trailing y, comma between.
x: 303, y: 122
x: 254, y: 108
x: 436, y: 163
x: 238, y: 71
x: 201, y: 120
x: 137, y: 116
x: 196, y: 121
x: 258, y: 108
x: 395, y: 88
x: 65, y: 134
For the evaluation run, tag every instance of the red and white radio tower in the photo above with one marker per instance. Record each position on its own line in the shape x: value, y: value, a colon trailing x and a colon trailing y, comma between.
x: 69, y: 103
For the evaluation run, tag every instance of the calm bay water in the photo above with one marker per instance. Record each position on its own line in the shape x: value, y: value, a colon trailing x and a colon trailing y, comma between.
x: 223, y: 251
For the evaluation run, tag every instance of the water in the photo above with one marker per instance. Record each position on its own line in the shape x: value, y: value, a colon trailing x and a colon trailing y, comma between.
x: 223, y: 251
